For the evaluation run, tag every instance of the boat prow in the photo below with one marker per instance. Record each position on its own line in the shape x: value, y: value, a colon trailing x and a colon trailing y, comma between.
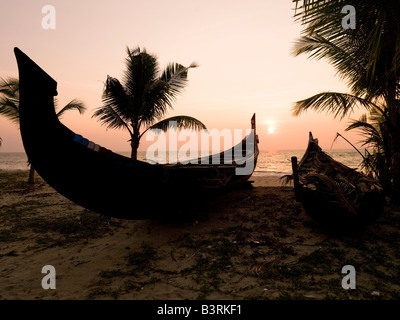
x: 101, y: 180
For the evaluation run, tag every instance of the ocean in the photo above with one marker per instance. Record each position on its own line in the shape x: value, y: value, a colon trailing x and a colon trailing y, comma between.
x: 270, y: 163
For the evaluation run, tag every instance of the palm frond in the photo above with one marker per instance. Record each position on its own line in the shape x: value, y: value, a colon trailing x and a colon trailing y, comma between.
x: 157, y: 101
x: 74, y: 104
x: 178, y: 122
x: 373, y: 129
x: 344, y: 59
x: 115, y: 113
x: 374, y: 41
x: 9, y: 99
x: 175, y: 75
x: 9, y: 87
x: 110, y: 118
x: 10, y: 109
x: 338, y: 104
x: 141, y: 70
x: 370, y: 132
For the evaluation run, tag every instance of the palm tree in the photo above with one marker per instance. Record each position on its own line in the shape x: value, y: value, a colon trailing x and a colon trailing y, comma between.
x: 368, y: 58
x: 142, y: 100
x: 374, y: 130
x: 9, y: 107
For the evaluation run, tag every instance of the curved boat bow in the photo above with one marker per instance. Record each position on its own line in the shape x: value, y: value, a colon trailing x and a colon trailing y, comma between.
x: 99, y: 179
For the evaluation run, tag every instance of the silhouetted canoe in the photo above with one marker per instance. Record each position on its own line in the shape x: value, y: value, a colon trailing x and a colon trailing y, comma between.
x: 338, y: 197
x: 103, y: 181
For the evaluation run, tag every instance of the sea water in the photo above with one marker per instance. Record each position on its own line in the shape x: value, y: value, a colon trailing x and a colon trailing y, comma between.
x: 269, y: 163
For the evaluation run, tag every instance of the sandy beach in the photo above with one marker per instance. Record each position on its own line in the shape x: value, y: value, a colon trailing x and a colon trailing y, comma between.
x: 253, y: 243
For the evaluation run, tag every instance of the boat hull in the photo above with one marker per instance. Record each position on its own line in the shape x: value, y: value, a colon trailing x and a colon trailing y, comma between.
x: 97, y: 178
x: 336, y: 196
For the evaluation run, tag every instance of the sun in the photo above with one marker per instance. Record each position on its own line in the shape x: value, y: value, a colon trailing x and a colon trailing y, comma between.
x: 271, y: 125
x: 271, y: 130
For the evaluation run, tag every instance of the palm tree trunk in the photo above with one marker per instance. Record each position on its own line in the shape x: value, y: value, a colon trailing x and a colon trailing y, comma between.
x: 31, y: 179
x: 134, y: 146
x: 133, y: 152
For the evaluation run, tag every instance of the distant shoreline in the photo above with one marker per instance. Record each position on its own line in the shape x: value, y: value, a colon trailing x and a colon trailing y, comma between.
x: 274, y: 150
x: 269, y: 164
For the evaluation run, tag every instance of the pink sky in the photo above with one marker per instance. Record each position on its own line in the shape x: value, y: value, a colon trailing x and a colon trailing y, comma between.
x: 243, y: 49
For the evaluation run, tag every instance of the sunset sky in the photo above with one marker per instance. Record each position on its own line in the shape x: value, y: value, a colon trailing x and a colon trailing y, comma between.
x: 243, y: 49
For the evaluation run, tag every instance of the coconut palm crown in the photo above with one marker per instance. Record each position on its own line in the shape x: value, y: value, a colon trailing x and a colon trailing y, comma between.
x: 142, y: 99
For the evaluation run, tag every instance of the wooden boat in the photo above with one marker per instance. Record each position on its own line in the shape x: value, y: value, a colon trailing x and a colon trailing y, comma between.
x: 106, y: 182
x: 338, y: 197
